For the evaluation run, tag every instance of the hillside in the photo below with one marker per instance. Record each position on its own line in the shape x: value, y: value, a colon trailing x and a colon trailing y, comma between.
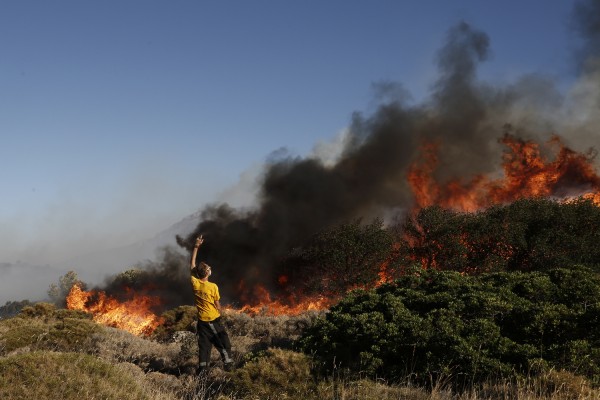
x: 500, y: 304
x: 48, y: 353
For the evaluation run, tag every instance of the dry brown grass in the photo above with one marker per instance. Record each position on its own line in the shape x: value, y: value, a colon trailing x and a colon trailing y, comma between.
x: 50, y: 375
x: 41, y: 327
x: 122, y: 346
x: 251, y: 334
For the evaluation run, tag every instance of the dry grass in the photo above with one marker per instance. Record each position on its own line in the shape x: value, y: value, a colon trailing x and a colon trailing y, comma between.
x: 276, y: 374
x: 551, y: 385
x: 47, y: 353
x: 43, y: 328
x: 251, y: 334
x: 47, y: 375
x: 122, y: 346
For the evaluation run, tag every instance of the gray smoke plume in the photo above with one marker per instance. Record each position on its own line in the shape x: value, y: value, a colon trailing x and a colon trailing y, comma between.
x: 301, y: 196
x: 586, y: 23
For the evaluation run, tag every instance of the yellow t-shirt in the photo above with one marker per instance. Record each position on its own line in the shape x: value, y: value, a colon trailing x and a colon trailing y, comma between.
x: 206, y: 294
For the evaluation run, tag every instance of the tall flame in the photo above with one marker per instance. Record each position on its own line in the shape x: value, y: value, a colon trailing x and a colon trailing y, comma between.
x: 133, y: 315
x: 527, y: 174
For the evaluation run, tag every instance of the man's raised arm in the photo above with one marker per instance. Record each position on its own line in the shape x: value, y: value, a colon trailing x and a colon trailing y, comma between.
x: 199, y: 241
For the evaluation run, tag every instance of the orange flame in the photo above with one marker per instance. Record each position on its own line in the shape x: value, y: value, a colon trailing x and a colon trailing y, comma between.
x: 384, y: 275
x: 263, y: 304
x: 527, y: 174
x: 132, y: 315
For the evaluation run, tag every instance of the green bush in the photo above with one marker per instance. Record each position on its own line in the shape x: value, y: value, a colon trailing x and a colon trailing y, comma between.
x: 340, y: 258
x: 180, y: 318
x: 440, y: 323
x: 527, y: 235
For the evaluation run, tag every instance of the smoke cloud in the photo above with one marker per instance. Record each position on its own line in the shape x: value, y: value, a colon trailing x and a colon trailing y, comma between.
x: 299, y: 196
x: 586, y: 24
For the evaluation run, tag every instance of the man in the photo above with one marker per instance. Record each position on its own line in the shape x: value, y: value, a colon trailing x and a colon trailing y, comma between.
x: 210, y: 330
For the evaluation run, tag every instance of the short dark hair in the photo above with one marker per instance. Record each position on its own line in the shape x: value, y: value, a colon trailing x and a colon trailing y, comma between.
x: 202, y: 270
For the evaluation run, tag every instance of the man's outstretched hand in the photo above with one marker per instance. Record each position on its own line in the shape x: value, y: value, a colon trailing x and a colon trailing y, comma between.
x: 199, y: 241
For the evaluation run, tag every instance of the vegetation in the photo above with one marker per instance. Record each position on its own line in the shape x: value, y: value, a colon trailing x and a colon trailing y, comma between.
x: 12, y: 308
x: 118, y: 365
x: 524, y: 276
x: 343, y: 257
x: 435, y: 324
x: 42, y: 327
x: 181, y: 318
x: 67, y: 376
x: 58, y: 293
x: 500, y: 304
x: 527, y: 235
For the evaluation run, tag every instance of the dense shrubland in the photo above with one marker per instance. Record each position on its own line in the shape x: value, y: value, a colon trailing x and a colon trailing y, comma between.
x: 500, y: 304
x: 465, y: 328
x: 48, y: 353
x: 527, y: 235
x: 504, y: 293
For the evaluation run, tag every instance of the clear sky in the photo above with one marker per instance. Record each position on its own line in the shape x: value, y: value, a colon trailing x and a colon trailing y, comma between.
x: 118, y: 118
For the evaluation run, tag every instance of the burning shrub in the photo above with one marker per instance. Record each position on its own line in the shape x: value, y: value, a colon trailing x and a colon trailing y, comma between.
x: 343, y: 257
x: 529, y: 234
x: 134, y: 315
x: 470, y: 328
x: 58, y: 293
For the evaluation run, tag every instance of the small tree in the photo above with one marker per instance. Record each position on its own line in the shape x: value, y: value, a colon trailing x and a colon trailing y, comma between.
x: 58, y: 293
x: 341, y: 258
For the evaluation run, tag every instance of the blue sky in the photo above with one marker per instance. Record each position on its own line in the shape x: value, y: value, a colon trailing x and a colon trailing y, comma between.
x: 118, y: 118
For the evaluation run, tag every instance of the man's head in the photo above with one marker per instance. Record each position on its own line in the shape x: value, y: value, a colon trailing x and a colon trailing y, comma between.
x: 203, y: 270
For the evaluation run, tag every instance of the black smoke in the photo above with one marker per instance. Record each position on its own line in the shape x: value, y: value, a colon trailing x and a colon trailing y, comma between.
x: 167, y: 279
x: 301, y: 196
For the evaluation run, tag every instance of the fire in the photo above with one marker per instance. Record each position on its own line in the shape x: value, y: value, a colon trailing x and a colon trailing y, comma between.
x: 384, y: 275
x: 277, y: 308
x: 133, y: 315
x: 528, y: 171
x: 259, y: 300
x: 264, y: 304
x: 527, y: 174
